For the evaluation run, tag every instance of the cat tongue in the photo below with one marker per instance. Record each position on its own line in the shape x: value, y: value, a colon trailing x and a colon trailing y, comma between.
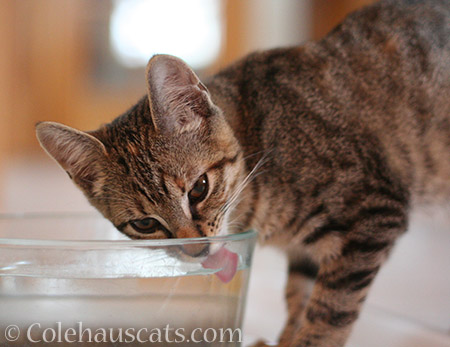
x: 226, y: 261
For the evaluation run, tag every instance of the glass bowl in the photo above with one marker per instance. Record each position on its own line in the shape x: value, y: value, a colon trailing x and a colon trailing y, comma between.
x: 75, y: 280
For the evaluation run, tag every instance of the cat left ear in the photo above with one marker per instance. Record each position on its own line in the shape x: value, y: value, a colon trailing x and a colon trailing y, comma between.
x: 179, y: 102
x: 77, y: 152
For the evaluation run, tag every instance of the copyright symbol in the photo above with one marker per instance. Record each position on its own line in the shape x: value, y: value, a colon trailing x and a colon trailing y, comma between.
x: 12, y: 333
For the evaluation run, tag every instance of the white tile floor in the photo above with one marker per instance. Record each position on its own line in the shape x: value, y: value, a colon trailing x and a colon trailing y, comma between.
x: 409, y: 304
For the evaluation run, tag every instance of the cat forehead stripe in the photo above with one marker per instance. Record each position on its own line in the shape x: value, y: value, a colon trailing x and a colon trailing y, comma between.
x: 224, y: 161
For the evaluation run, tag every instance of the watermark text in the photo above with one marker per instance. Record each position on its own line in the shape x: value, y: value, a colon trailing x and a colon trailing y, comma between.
x: 37, y: 333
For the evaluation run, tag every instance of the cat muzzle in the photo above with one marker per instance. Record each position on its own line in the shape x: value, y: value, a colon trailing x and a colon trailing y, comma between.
x: 195, y: 249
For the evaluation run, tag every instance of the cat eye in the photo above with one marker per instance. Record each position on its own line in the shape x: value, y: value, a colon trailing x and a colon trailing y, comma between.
x: 146, y: 226
x: 199, y: 191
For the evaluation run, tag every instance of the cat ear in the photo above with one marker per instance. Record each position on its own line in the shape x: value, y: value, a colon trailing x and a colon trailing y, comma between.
x: 77, y: 152
x: 179, y: 102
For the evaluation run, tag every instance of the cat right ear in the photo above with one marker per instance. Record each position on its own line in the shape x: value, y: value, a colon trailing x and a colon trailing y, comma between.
x: 77, y: 152
x: 179, y: 102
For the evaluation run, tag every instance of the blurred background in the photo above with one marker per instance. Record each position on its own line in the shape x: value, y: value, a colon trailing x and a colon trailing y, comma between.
x: 82, y: 63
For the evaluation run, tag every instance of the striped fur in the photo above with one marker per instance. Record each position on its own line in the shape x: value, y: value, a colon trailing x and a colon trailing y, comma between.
x: 323, y: 148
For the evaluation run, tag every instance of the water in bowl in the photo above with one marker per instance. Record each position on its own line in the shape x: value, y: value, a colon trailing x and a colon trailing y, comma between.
x: 165, y: 309
x: 115, y: 293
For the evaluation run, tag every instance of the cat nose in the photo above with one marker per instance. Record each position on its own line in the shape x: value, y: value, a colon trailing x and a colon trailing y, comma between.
x: 192, y: 249
x: 187, y: 233
x: 195, y: 250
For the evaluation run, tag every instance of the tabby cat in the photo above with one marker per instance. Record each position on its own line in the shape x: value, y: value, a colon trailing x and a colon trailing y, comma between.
x: 322, y: 148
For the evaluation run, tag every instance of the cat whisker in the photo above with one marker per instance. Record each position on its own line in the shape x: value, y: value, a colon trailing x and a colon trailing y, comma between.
x: 256, y: 153
x: 234, y: 204
x: 234, y: 223
x: 235, y: 219
x: 252, y: 174
x: 242, y: 185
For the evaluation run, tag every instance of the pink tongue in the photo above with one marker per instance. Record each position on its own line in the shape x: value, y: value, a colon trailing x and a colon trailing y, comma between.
x: 226, y: 261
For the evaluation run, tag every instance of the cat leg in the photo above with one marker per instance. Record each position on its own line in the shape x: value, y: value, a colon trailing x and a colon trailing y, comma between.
x: 342, y: 283
x: 336, y: 297
x: 338, y: 293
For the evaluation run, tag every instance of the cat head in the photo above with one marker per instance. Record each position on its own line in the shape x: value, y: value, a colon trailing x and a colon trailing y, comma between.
x: 166, y: 168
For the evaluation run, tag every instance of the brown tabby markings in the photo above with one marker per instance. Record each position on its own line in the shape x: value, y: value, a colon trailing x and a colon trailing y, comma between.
x: 322, y: 148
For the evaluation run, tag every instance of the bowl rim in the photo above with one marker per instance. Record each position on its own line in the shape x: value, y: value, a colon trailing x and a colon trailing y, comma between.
x: 30, y: 242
